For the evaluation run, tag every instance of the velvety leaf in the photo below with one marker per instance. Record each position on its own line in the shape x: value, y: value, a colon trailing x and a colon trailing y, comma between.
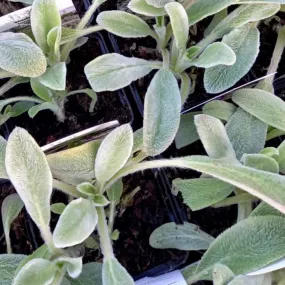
x: 3, y: 145
x: 11, y: 207
x: 33, y: 111
x: 115, y: 192
x: 73, y: 265
x: 20, y: 108
x: 214, y: 137
x: 90, y: 271
x: 263, y: 209
x: 185, y: 87
x: 74, y: 165
x: 161, y: 113
x: 43, y: 275
x: 58, y: 208
x: 87, y: 189
x: 41, y: 252
x: 20, y: 55
x: 220, y: 109
x: 201, y: 9
x: 222, y: 275
x: 124, y: 24
x: 138, y: 140
x: 113, y: 71
x: 218, y: 17
x: 5, y: 74
x: 261, y: 1
x: 242, y: 15
x: 8, y: 266
x: 100, y: 200
x: 280, y: 159
x: 182, y: 237
x: 270, y: 152
x: 143, y: 8
x: 54, y: 40
x: 29, y: 172
x: 158, y: 3
x: 187, y: 132
x: 246, y: 133
x: 202, y: 192
x: 245, y: 44
x: 44, y: 17
x: 113, y: 273
x: 179, y: 23
x: 261, y: 162
x: 40, y: 90
x: 264, y: 279
x: 241, y: 240
x: 263, y: 105
x: 216, y: 54
x: 113, y: 153
x: 76, y: 223
x: 55, y: 77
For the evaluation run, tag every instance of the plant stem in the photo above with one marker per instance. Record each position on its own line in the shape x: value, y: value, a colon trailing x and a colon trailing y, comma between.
x: 12, y: 83
x: 8, y: 244
x: 244, y: 208
x: 166, y: 58
x: 105, y: 241
x: 241, y: 198
x: 112, y: 215
x: 67, y: 188
x: 58, y: 277
x: 47, y: 237
x: 267, y: 84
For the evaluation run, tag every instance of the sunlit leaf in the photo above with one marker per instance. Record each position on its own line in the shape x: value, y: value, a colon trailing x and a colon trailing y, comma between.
x: 143, y: 8
x: 220, y: 109
x: 260, y: 161
x: 161, y: 113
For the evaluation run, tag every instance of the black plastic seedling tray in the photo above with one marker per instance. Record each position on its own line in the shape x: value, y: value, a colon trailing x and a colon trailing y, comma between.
x: 173, y: 205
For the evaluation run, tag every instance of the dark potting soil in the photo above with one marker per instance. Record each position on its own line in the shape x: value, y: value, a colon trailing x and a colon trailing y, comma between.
x: 45, y: 128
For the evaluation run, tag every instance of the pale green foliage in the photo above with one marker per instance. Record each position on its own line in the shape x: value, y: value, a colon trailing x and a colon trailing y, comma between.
x: 260, y: 161
x: 222, y: 274
x: 220, y: 109
x: 182, y: 237
x: 271, y: 152
x: 218, y: 17
x: 115, y: 192
x: 203, y: 192
x: 138, y: 140
x: 113, y: 153
x: 58, y: 208
x: 201, y: 9
x: 113, y: 71
x: 40, y: 90
x: 161, y: 113
x: 214, y: 137
x: 55, y: 77
x: 74, y: 165
x: 44, y: 17
x: 90, y: 271
x: 158, y: 3
x: 11, y: 207
x: 113, y: 273
x: 43, y: 275
x: 8, y: 266
x: 281, y: 158
x: 75, y: 224
x: 73, y: 265
x: 216, y: 54
x: 3, y: 145
x: 263, y: 279
x: 187, y: 132
x: 263, y: 209
x: 246, y: 133
x: 260, y: 104
x: 20, y: 55
x: 179, y: 23
x: 185, y: 87
x: 245, y: 44
x: 124, y: 24
x: 242, y: 15
x: 241, y: 240
x: 29, y: 172
x: 100, y: 200
x: 142, y: 7
x: 87, y: 189
x: 54, y: 41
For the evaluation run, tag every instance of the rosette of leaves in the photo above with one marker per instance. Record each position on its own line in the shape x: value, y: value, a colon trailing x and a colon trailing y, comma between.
x: 227, y: 52
x: 40, y: 57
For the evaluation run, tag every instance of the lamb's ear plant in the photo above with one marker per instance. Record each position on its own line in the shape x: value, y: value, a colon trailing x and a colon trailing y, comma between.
x: 225, y: 61
x: 42, y: 61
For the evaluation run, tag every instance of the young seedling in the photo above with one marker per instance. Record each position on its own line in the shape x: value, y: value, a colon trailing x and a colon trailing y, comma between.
x: 41, y: 60
x: 225, y: 62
